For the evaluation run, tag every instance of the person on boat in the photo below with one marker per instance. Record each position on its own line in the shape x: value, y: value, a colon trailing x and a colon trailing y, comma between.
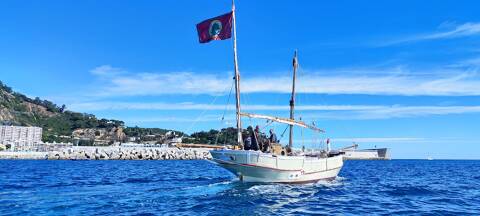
x: 273, y: 136
x: 248, y: 142
x: 257, y: 130
x: 267, y: 145
x: 256, y: 144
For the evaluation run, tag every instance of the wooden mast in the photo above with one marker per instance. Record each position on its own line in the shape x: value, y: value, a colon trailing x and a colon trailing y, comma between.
x: 292, y: 100
x: 237, y: 79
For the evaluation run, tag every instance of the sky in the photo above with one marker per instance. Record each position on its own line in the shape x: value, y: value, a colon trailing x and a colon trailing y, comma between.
x: 397, y: 74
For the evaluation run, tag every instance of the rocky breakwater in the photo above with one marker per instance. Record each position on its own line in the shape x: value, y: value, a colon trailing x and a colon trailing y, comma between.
x: 4, y: 155
x: 129, y: 153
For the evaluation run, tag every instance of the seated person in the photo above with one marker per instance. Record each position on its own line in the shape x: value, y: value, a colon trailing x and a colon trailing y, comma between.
x: 254, y: 143
x: 266, y: 147
x: 248, y: 143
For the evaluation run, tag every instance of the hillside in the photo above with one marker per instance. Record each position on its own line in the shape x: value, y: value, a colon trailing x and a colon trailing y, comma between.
x: 59, y: 124
x: 219, y: 137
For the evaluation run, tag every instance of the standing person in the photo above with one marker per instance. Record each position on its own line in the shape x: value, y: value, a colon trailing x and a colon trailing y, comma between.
x: 267, y: 146
x: 257, y: 131
x: 273, y: 136
x: 253, y: 138
x: 256, y: 144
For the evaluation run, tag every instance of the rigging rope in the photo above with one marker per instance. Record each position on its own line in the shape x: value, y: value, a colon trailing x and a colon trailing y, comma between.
x: 223, y: 116
x: 201, y: 114
x: 206, y: 109
x: 228, y: 101
x: 281, y: 136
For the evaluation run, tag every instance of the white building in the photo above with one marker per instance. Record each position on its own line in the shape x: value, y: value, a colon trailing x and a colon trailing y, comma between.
x: 21, y: 138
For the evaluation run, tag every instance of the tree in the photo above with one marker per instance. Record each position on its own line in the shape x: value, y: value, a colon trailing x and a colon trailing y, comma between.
x: 6, y: 88
x: 37, y: 101
x: 62, y: 108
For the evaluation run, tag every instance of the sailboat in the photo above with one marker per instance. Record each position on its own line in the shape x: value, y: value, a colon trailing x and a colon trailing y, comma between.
x: 280, y: 165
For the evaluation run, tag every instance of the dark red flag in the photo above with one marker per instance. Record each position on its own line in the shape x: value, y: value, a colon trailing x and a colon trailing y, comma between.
x: 217, y: 28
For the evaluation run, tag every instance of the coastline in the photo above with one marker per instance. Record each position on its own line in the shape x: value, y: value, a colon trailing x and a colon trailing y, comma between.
x: 112, y: 153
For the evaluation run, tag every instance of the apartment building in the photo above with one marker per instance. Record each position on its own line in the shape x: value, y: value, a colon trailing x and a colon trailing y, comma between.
x: 21, y: 138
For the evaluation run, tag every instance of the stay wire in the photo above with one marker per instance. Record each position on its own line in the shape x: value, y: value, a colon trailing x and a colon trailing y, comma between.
x: 224, y: 112
x: 203, y: 112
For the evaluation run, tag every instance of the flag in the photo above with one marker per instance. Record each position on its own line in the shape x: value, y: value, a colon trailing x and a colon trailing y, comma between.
x: 217, y: 28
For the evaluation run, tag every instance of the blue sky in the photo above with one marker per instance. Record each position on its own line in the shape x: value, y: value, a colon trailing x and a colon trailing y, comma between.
x: 397, y: 74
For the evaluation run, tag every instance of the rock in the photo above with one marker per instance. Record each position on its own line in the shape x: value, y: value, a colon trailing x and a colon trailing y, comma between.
x: 109, y: 153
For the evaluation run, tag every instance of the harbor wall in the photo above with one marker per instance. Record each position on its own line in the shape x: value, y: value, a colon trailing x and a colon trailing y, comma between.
x: 113, y: 153
x: 23, y: 155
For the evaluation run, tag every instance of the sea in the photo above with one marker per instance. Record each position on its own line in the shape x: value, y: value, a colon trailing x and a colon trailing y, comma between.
x: 393, y: 187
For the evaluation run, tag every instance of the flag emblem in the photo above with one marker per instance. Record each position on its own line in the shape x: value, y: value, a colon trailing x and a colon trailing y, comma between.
x: 215, y: 29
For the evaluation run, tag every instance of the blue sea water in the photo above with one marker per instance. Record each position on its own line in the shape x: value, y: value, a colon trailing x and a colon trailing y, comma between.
x: 409, y: 187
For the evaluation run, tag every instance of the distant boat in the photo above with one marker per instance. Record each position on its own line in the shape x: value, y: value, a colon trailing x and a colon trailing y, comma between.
x: 429, y: 158
x: 280, y: 165
x: 353, y: 153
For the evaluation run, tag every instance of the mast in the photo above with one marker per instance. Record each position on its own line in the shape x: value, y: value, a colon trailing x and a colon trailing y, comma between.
x: 292, y: 100
x: 237, y: 79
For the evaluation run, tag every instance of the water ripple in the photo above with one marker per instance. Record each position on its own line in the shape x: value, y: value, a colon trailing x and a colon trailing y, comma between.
x: 395, y: 187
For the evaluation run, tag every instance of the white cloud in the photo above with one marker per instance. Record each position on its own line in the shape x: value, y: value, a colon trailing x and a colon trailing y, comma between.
x: 460, y: 84
x: 363, y: 142
x: 106, y: 70
x: 472, y: 62
x: 466, y: 29
x: 157, y: 119
x: 463, y: 30
x: 389, y: 112
x: 165, y: 83
x: 94, y: 106
x: 379, y: 139
x: 442, y: 82
x: 342, y: 112
x: 401, y: 140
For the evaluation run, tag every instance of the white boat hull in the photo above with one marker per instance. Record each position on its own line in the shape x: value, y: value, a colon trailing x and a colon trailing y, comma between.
x: 254, y: 166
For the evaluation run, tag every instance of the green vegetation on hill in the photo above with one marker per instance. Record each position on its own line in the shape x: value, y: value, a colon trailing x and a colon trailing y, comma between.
x: 57, y: 122
x: 151, y: 134
x: 63, y: 124
x: 224, y: 136
x: 140, y: 132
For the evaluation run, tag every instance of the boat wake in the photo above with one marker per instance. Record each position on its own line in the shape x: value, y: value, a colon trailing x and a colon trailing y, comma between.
x: 210, y: 189
x: 339, y: 181
x: 275, y: 188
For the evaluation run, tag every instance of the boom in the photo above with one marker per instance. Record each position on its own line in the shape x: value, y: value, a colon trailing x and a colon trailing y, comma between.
x: 283, y: 120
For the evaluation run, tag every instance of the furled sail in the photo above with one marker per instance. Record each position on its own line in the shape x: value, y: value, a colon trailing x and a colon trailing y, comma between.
x: 283, y: 120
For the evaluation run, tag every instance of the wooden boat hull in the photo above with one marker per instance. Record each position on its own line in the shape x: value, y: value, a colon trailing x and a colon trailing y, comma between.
x: 254, y: 166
